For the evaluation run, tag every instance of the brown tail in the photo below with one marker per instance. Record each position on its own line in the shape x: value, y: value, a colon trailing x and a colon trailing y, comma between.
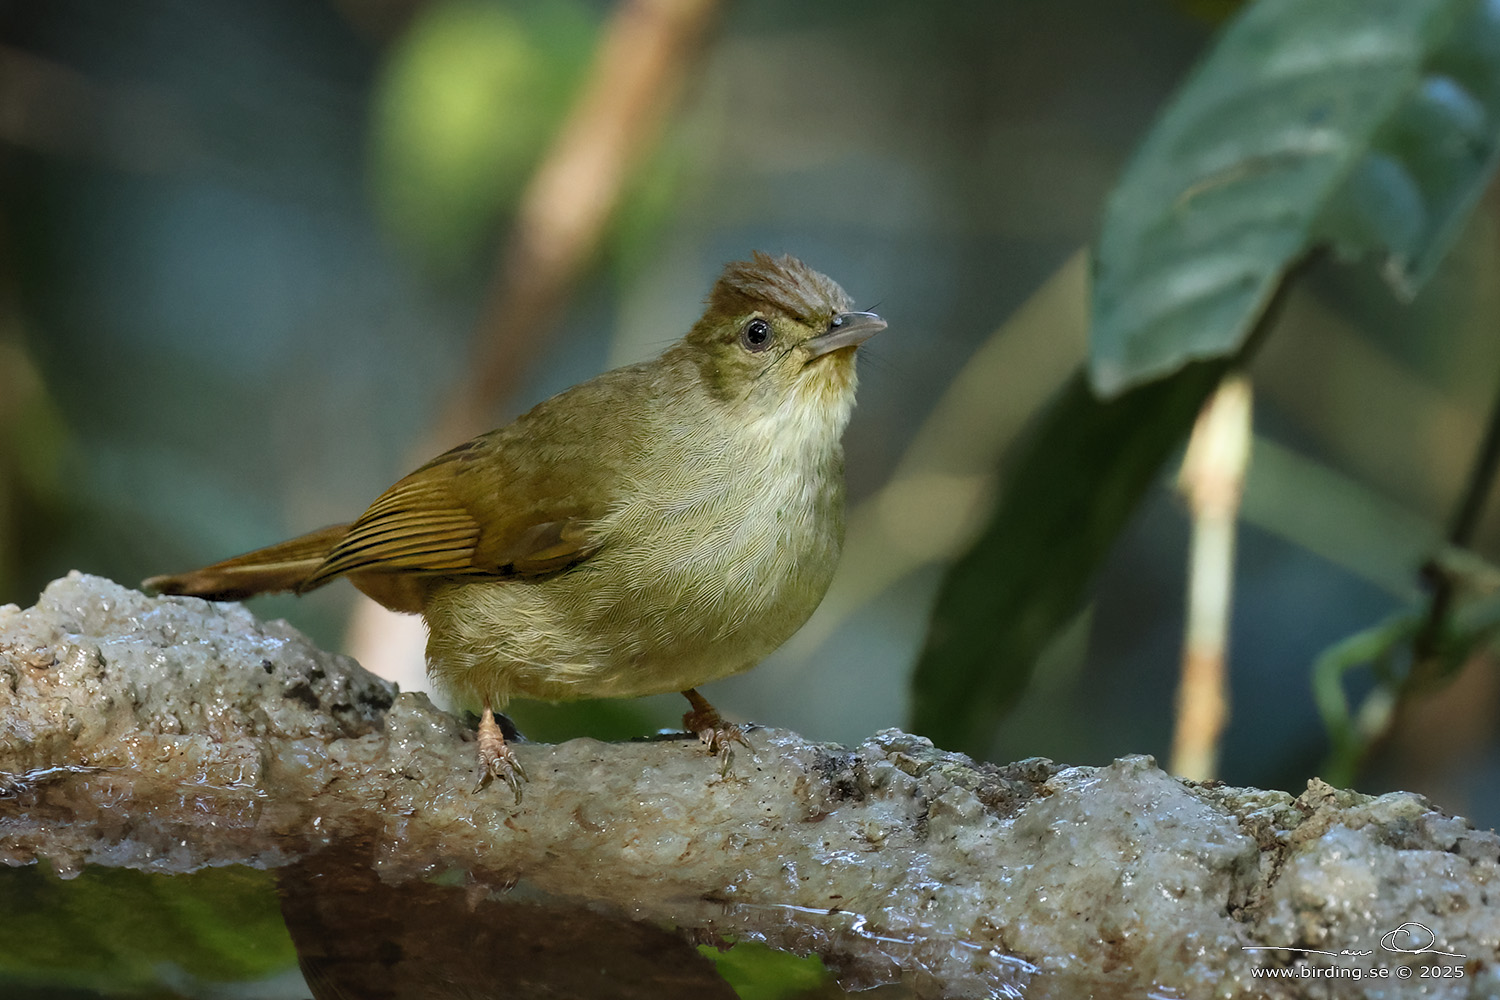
x: 283, y: 566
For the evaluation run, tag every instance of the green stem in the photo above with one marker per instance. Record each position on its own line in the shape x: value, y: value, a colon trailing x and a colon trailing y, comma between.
x: 1460, y: 535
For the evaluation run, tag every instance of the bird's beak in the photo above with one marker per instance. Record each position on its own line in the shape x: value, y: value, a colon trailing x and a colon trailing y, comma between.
x: 845, y: 330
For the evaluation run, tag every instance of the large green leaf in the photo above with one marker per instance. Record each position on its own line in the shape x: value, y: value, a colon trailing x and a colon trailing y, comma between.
x: 1371, y: 124
x: 1072, y: 489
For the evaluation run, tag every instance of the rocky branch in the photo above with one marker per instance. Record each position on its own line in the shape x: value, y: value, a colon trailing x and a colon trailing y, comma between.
x: 171, y: 734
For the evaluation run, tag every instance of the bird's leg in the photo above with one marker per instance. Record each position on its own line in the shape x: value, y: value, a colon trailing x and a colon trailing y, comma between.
x: 711, y: 728
x: 496, y: 758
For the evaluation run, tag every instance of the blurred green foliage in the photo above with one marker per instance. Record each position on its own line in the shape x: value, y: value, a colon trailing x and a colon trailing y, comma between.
x: 760, y: 973
x: 463, y: 110
x: 1212, y: 11
x: 34, y: 446
x: 125, y: 932
x: 600, y: 719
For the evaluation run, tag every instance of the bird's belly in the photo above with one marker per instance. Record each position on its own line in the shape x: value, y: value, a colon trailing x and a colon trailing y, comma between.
x: 684, y: 602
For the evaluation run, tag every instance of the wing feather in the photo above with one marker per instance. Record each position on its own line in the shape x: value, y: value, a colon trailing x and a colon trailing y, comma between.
x: 426, y: 525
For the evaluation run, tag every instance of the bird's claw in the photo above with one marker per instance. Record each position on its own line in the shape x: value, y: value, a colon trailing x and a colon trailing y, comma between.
x: 716, y: 734
x: 497, y: 759
x: 506, y: 766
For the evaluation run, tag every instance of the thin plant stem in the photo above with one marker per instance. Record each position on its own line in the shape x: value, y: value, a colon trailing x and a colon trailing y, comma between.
x: 1428, y: 644
x: 1213, y: 478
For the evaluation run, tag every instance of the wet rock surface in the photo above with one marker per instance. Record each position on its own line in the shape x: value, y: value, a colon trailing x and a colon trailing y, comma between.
x: 169, y: 734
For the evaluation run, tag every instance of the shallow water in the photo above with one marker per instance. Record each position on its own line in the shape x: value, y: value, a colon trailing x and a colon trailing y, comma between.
x: 330, y: 927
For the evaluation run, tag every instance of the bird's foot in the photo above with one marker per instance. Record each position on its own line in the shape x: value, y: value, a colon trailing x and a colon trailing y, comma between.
x: 496, y: 758
x: 717, y: 734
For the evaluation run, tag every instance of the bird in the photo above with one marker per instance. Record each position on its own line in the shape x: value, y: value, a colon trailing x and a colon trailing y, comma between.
x: 652, y: 529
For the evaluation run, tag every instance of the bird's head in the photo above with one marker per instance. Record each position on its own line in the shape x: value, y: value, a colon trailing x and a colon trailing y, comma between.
x: 779, y: 336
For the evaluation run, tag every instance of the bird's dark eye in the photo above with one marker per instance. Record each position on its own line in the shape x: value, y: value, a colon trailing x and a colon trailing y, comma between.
x: 756, y: 336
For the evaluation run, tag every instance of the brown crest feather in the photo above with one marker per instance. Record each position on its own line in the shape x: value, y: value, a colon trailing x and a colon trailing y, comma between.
x: 783, y: 283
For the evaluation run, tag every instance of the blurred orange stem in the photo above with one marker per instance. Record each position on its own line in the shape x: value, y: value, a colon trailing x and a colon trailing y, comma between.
x: 1213, y: 479
x: 636, y: 74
